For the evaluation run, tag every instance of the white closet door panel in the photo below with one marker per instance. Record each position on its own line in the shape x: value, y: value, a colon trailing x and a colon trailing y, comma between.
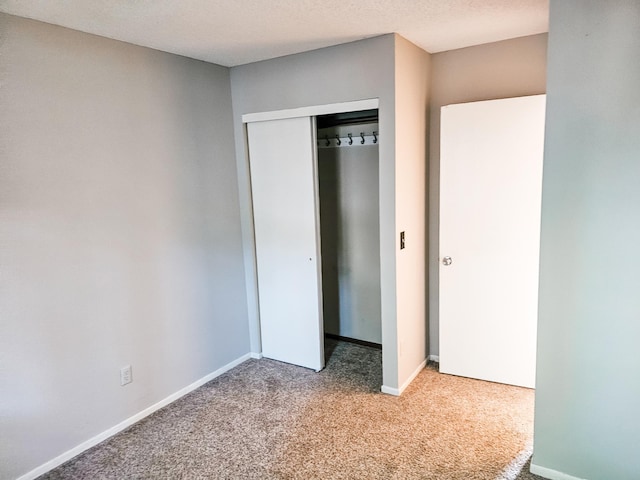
x: 283, y: 181
x: 490, y: 197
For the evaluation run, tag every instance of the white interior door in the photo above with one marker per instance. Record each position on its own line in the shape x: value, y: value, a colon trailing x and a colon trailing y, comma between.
x: 283, y: 182
x: 490, y: 199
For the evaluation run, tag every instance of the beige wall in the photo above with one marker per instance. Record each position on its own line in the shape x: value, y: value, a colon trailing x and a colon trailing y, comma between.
x: 412, y: 67
x: 120, y: 234
x: 510, y: 68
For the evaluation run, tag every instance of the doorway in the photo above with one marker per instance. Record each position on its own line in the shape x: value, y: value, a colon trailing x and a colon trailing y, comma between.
x: 348, y: 180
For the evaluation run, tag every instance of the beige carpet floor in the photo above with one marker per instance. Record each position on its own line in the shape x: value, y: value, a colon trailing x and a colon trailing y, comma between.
x: 269, y: 420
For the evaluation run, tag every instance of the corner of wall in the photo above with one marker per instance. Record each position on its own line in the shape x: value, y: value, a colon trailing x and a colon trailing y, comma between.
x: 412, y: 70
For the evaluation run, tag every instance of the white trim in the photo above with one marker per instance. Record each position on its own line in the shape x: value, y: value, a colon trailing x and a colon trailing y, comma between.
x: 255, y: 355
x: 77, y: 450
x: 552, y: 474
x: 390, y: 391
x: 434, y: 358
x: 513, y: 470
x: 398, y: 391
x: 316, y: 207
x: 311, y: 111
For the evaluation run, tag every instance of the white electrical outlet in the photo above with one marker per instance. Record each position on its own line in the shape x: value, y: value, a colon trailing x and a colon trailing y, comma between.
x: 125, y: 375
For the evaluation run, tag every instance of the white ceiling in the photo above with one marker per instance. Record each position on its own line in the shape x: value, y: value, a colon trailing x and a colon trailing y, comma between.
x: 234, y: 32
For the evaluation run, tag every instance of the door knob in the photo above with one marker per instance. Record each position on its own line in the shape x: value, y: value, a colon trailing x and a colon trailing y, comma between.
x: 446, y: 261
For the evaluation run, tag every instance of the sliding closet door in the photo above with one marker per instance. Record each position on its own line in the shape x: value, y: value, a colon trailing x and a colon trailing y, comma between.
x: 283, y: 182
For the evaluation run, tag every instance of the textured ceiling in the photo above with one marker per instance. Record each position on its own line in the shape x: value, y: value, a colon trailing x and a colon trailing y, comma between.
x: 234, y: 32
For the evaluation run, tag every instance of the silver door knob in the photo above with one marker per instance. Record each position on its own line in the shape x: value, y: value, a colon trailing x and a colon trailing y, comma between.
x: 446, y: 261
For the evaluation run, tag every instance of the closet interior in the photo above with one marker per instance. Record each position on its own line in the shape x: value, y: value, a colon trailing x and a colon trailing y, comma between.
x: 348, y: 166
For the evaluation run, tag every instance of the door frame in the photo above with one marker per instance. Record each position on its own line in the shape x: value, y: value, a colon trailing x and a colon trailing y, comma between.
x: 307, y: 111
x: 312, y: 111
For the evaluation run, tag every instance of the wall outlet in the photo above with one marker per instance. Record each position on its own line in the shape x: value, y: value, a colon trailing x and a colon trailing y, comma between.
x: 125, y: 375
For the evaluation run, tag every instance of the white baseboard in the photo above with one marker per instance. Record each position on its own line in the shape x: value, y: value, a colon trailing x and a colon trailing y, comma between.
x: 390, y: 391
x: 512, y: 471
x: 434, y: 358
x: 255, y: 355
x: 413, y: 375
x: 398, y: 391
x: 69, y: 454
x: 552, y: 474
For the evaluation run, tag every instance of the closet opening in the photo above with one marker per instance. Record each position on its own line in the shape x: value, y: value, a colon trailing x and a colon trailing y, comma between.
x: 315, y: 195
x: 348, y: 187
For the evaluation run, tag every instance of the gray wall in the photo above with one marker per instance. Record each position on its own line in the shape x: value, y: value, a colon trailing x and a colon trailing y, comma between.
x: 588, y: 383
x: 354, y: 71
x: 120, y: 237
x: 511, y: 68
